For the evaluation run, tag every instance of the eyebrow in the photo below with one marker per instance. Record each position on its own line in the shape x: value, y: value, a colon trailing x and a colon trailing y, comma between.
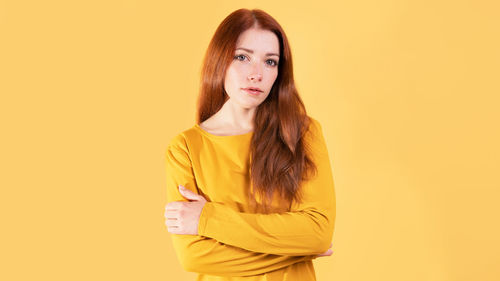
x: 251, y: 52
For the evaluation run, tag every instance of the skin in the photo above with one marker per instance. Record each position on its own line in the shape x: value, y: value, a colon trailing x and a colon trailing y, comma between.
x: 254, y: 67
x: 247, y: 70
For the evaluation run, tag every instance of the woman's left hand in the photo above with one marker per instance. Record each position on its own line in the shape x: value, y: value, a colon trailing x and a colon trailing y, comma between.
x: 182, y: 217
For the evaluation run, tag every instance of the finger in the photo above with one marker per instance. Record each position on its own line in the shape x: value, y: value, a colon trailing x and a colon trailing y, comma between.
x: 191, y: 195
x: 173, y: 230
x: 176, y: 229
x: 329, y: 252
x: 171, y: 223
x: 174, y: 205
x: 172, y: 215
x: 188, y: 193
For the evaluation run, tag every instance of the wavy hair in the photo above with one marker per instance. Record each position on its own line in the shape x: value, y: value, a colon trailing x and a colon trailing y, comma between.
x: 279, y: 157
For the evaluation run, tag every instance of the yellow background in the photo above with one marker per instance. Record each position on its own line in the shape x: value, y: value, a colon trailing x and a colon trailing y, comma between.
x: 407, y: 93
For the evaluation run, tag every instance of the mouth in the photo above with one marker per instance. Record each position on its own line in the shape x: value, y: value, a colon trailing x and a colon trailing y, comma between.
x: 253, y: 90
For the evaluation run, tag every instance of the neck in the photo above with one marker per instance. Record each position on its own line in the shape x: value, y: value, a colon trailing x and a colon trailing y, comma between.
x: 236, y: 116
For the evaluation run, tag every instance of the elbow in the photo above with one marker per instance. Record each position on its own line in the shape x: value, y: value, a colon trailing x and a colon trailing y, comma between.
x: 188, y: 264
x: 196, y: 264
x: 324, y: 237
x: 201, y: 266
x: 187, y: 260
x: 191, y: 253
x: 323, y: 245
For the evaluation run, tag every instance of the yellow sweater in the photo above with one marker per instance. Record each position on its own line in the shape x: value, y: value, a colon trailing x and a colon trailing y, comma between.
x: 235, y: 242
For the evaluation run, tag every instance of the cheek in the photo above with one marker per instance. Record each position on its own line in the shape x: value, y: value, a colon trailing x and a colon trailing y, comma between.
x: 232, y: 76
x: 273, y: 74
x: 235, y: 78
x: 228, y: 80
x: 238, y: 70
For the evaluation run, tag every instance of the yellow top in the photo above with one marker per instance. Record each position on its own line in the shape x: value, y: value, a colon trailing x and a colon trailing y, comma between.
x: 235, y: 242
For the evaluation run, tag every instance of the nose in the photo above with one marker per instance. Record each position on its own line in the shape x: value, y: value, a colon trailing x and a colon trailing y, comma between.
x: 255, y: 74
x: 255, y: 77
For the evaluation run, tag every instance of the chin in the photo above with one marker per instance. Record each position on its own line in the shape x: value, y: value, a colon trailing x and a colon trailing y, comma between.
x: 250, y: 106
x: 247, y: 105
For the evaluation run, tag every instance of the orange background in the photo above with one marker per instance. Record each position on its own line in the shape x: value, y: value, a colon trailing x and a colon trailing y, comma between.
x: 407, y: 93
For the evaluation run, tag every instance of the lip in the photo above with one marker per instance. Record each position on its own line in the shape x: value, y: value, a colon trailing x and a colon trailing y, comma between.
x: 253, y: 90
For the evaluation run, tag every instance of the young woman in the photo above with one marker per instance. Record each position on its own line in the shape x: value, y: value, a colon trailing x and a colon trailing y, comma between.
x: 249, y: 187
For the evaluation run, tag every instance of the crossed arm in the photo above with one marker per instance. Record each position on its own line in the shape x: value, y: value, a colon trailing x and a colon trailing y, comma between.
x: 264, y: 242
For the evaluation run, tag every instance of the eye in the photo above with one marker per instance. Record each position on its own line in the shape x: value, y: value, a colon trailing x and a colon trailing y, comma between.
x: 272, y: 62
x: 237, y: 57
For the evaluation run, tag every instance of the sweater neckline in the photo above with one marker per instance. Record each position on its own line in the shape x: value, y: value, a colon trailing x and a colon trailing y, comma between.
x: 197, y: 126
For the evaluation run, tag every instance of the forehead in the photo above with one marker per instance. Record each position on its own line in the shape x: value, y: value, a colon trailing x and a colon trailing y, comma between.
x: 259, y: 40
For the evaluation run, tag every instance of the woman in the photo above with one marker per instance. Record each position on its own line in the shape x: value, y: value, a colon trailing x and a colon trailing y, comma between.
x: 250, y: 189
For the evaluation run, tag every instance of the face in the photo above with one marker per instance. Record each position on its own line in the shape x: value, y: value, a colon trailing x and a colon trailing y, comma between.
x: 254, y: 65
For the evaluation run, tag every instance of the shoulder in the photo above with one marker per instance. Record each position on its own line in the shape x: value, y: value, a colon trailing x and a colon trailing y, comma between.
x: 314, y: 123
x: 314, y: 129
x: 314, y: 138
x: 184, y: 140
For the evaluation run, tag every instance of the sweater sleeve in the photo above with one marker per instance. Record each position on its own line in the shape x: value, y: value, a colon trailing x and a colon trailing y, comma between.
x: 306, y: 229
x: 207, y: 255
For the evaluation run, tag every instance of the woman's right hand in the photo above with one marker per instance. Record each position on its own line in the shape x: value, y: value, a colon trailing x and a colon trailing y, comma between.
x: 329, y: 252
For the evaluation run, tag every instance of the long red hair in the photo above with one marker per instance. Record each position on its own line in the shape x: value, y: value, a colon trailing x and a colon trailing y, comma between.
x: 279, y: 158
